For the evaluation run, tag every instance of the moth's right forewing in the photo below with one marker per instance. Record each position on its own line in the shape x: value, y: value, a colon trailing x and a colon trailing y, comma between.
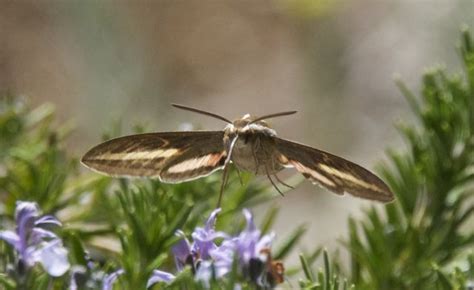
x: 146, y: 155
x: 335, y: 173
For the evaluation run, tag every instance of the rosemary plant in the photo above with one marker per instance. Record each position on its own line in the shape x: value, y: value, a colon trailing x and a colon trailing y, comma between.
x: 64, y: 228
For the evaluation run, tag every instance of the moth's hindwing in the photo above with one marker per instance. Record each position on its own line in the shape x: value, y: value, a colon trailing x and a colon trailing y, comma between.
x: 332, y: 172
x: 170, y: 156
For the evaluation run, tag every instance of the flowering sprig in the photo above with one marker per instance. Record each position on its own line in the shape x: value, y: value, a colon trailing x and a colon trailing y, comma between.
x: 35, y: 244
x: 253, y: 251
x: 208, y: 260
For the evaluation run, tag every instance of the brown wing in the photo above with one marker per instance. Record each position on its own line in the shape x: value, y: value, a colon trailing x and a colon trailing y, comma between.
x: 332, y: 172
x: 170, y: 156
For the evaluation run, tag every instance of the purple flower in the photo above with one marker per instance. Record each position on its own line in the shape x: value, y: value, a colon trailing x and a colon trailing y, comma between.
x: 88, y: 276
x: 204, y: 237
x: 196, y: 255
x: 253, y: 251
x: 35, y: 244
x: 186, y: 253
x: 182, y: 252
x: 249, y: 244
x: 160, y: 276
x: 208, y: 260
x: 110, y: 279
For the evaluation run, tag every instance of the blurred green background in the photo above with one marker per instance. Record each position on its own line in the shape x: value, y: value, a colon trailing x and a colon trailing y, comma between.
x: 333, y: 61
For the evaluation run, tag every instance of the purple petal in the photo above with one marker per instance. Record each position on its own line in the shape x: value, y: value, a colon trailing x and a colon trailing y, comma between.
x: 47, y: 220
x: 73, y: 283
x: 38, y: 234
x: 264, y: 242
x: 53, y: 257
x: 204, y: 273
x: 249, y: 218
x: 223, y: 264
x: 181, y: 251
x: 204, y: 241
x: 12, y: 238
x: 223, y: 254
x: 207, y: 269
x: 249, y: 243
x: 110, y: 279
x: 25, y: 215
x: 160, y: 276
x: 182, y: 248
x: 203, y: 248
x: 246, y: 244
x: 212, y: 219
x: 204, y: 237
x: 25, y: 209
x: 30, y: 256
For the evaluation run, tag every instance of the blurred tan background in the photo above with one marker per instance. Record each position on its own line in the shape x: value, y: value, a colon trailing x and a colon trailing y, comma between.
x: 333, y: 61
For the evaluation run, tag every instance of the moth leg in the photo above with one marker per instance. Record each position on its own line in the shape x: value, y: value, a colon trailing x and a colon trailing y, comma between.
x: 282, y: 182
x: 273, y: 183
x: 255, y: 157
x: 225, y: 175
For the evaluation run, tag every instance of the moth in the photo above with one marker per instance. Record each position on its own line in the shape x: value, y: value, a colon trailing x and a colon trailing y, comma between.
x: 249, y: 143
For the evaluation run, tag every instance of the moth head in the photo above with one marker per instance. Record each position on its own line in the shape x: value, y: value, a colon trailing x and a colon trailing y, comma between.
x: 248, y: 123
x: 244, y: 124
x: 248, y: 120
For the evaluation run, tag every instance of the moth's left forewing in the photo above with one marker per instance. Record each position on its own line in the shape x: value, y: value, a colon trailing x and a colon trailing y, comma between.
x: 332, y: 172
x: 169, y: 156
x: 189, y: 165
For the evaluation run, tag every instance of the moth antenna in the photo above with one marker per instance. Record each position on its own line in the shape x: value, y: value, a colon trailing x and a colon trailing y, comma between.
x: 274, y: 115
x: 201, y: 112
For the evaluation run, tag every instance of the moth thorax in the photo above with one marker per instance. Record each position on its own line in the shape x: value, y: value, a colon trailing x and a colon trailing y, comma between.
x: 259, y: 128
x: 245, y: 125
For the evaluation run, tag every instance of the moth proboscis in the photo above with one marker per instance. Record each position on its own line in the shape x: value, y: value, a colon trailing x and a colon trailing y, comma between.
x: 249, y: 143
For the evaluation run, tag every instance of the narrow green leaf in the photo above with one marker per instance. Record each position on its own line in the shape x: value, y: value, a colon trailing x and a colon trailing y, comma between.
x: 180, y: 218
x: 285, y: 248
x: 443, y: 281
x: 268, y: 220
x: 77, y: 250
x: 327, y: 270
x: 307, y: 270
